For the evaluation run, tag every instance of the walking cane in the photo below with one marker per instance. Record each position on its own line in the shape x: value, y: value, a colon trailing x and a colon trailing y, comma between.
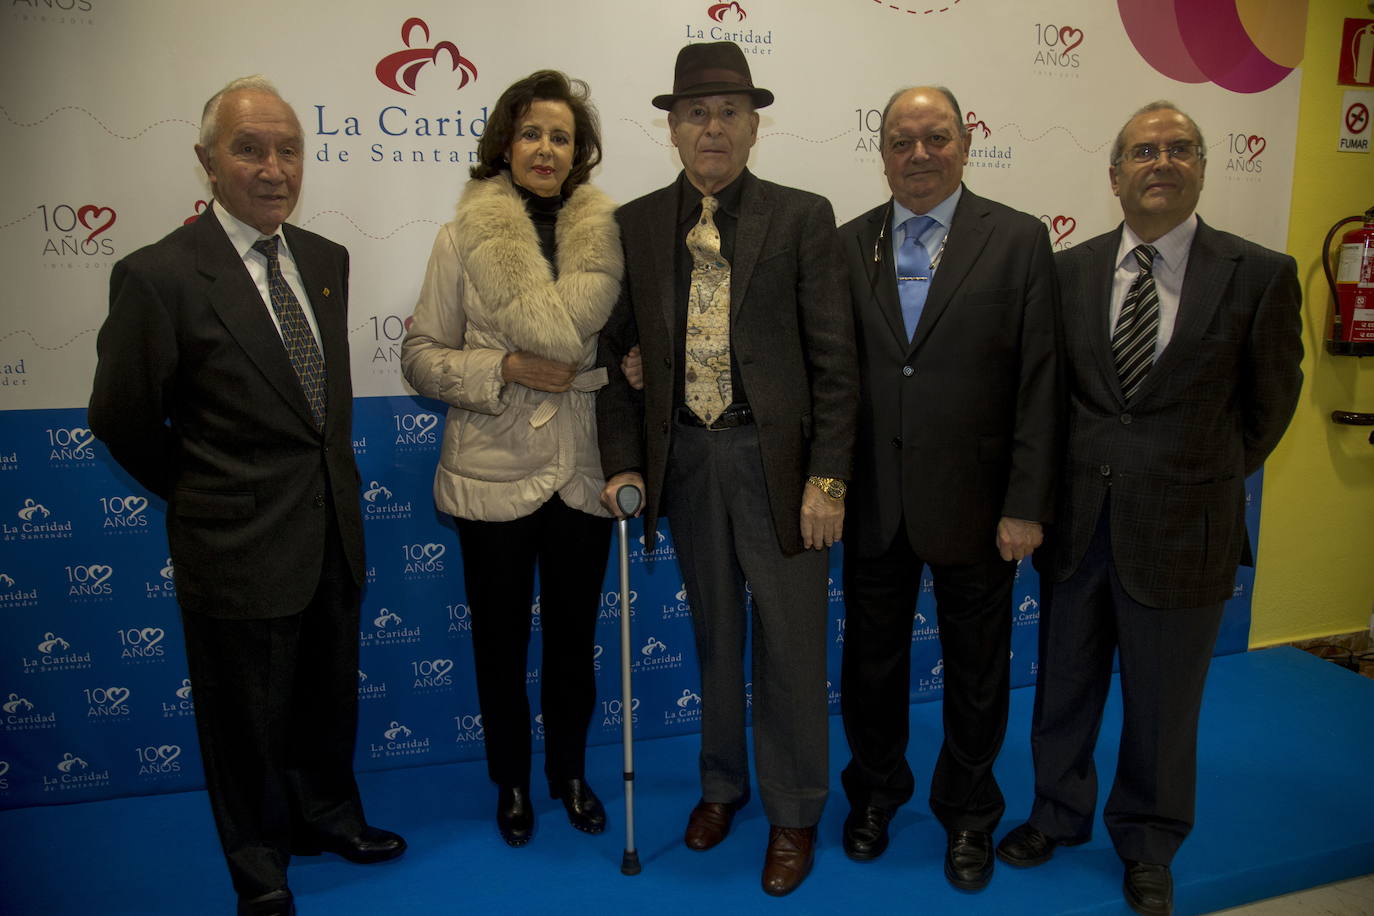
x: 628, y: 498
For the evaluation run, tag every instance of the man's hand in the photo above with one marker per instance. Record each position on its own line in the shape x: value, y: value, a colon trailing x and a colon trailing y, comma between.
x: 632, y: 364
x: 822, y: 518
x: 1016, y: 538
x: 614, y: 484
x: 534, y: 371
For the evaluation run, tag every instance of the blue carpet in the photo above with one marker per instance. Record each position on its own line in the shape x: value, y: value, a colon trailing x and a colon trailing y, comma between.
x: 1283, y: 804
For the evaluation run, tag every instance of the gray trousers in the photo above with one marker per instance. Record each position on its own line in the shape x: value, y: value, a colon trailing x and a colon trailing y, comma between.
x: 717, y: 507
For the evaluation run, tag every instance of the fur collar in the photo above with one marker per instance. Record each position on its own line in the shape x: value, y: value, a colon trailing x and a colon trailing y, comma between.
x: 519, y: 296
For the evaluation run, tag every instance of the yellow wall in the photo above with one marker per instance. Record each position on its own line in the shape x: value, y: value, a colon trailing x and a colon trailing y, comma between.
x: 1316, y: 560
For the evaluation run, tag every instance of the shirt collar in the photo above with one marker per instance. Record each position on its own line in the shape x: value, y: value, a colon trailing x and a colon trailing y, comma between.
x: 689, y: 198
x: 942, y: 213
x: 241, y: 235
x: 1171, y: 247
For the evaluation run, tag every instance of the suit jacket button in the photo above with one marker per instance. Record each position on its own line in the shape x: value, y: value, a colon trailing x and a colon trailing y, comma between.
x: 1125, y: 419
x: 319, y: 500
x: 908, y: 371
x: 1105, y: 470
x: 664, y: 428
x: 896, y: 441
x: 667, y: 363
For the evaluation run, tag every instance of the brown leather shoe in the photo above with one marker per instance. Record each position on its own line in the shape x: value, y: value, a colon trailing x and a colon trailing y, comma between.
x: 791, y: 853
x: 709, y: 822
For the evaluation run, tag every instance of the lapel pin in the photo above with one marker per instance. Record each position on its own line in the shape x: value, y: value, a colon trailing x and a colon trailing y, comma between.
x: 326, y: 292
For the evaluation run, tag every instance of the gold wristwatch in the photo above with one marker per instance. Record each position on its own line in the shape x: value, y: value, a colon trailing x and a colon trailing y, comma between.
x: 830, y: 486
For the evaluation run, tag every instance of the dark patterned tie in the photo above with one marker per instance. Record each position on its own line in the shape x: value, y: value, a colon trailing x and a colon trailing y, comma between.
x: 301, y: 347
x: 1133, y: 341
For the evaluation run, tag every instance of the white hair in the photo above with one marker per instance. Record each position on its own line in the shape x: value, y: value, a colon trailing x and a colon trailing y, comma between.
x: 209, y: 117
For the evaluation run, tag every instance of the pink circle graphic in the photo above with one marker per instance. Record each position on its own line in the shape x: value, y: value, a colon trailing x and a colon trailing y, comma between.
x: 1197, y: 41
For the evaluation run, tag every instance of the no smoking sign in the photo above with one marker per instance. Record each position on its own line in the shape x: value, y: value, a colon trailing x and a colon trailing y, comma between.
x: 1355, y: 118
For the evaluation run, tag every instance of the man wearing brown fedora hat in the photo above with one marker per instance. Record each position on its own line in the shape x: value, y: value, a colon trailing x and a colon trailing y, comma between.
x: 742, y: 437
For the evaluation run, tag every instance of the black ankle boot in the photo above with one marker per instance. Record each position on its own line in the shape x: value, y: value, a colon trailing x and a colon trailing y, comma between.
x: 515, y: 815
x: 584, y: 808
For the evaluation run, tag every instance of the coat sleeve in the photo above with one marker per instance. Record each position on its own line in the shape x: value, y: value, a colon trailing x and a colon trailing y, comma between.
x: 435, y: 358
x: 1039, y: 398
x: 1272, y: 373
x: 619, y: 408
x: 131, y: 399
x: 827, y: 328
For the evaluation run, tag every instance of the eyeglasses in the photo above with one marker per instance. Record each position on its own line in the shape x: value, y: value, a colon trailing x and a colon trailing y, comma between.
x: 1149, y: 152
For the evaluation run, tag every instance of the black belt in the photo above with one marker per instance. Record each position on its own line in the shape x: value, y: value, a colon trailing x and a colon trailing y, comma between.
x: 734, y: 415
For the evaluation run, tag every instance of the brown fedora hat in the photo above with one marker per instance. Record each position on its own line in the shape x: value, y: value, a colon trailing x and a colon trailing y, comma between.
x: 712, y: 68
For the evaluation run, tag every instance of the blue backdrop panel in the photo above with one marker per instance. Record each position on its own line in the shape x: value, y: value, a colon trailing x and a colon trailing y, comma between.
x: 94, y: 696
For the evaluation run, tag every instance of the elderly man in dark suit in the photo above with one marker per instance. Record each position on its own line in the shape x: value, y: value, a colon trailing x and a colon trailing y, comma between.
x: 223, y: 387
x: 742, y: 437
x: 1183, y: 346
x: 954, y: 300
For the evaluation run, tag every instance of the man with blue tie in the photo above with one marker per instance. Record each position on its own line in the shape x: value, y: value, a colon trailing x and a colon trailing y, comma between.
x: 954, y: 304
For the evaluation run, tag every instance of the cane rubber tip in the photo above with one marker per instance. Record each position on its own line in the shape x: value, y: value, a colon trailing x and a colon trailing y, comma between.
x: 630, y: 864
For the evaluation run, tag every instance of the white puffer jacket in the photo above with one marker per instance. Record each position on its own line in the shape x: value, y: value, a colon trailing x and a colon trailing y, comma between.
x: 489, y: 291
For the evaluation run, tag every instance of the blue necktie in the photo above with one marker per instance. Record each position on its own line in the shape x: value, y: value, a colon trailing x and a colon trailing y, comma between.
x: 913, y: 272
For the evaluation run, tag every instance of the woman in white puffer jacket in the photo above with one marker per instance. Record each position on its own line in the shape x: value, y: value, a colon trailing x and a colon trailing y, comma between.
x: 505, y: 332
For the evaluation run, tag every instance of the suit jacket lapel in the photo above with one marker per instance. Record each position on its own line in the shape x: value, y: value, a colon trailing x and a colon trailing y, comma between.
x: 875, y: 253
x: 662, y: 232
x: 967, y: 235
x: 236, y: 300
x: 755, y: 213
x: 1095, y: 295
x: 1209, y: 271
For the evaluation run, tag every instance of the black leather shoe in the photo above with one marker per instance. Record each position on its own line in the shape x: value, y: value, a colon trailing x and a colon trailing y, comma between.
x: 370, y: 846
x: 584, y: 808
x: 1149, y: 889
x: 1026, y: 846
x: 968, y: 859
x: 865, y: 832
x: 514, y: 815
x: 276, y: 903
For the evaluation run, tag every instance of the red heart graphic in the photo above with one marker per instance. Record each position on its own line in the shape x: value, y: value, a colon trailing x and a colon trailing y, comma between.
x: 1256, y: 145
x: 1065, y: 33
x: 199, y: 208
x: 86, y: 213
x: 1059, y: 221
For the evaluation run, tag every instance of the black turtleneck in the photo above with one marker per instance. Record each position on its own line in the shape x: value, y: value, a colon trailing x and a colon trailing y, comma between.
x: 543, y: 213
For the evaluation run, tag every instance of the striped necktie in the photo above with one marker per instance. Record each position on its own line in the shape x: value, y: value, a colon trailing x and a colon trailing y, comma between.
x: 1133, y: 341
x: 301, y: 347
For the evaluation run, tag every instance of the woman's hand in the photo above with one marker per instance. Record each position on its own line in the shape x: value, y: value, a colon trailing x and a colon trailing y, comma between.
x: 534, y: 371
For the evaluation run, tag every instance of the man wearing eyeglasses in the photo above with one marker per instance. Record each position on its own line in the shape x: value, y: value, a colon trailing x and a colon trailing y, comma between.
x: 954, y: 299
x: 1182, y: 352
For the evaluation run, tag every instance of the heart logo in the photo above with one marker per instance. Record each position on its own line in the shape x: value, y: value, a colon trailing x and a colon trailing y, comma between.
x: 81, y: 437
x: 1255, y: 145
x: 424, y: 422
x: 98, y: 573
x: 117, y: 695
x: 442, y: 666
x: 151, y: 635
x: 168, y: 752
x: 4, y: 767
x: 199, y: 209
x: 135, y: 504
x: 434, y: 552
x: 1067, y: 223
x: 89, y: 216
x: 1067, y: 32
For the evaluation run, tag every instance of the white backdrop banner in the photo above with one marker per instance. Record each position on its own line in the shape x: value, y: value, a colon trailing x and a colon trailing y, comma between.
x: 99, y: 108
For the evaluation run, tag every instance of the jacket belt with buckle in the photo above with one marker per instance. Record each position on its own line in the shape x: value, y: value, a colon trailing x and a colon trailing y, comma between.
x: 732, y: 416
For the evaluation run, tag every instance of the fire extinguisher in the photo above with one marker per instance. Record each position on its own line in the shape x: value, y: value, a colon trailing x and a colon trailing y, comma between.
x: 1351, y: 332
